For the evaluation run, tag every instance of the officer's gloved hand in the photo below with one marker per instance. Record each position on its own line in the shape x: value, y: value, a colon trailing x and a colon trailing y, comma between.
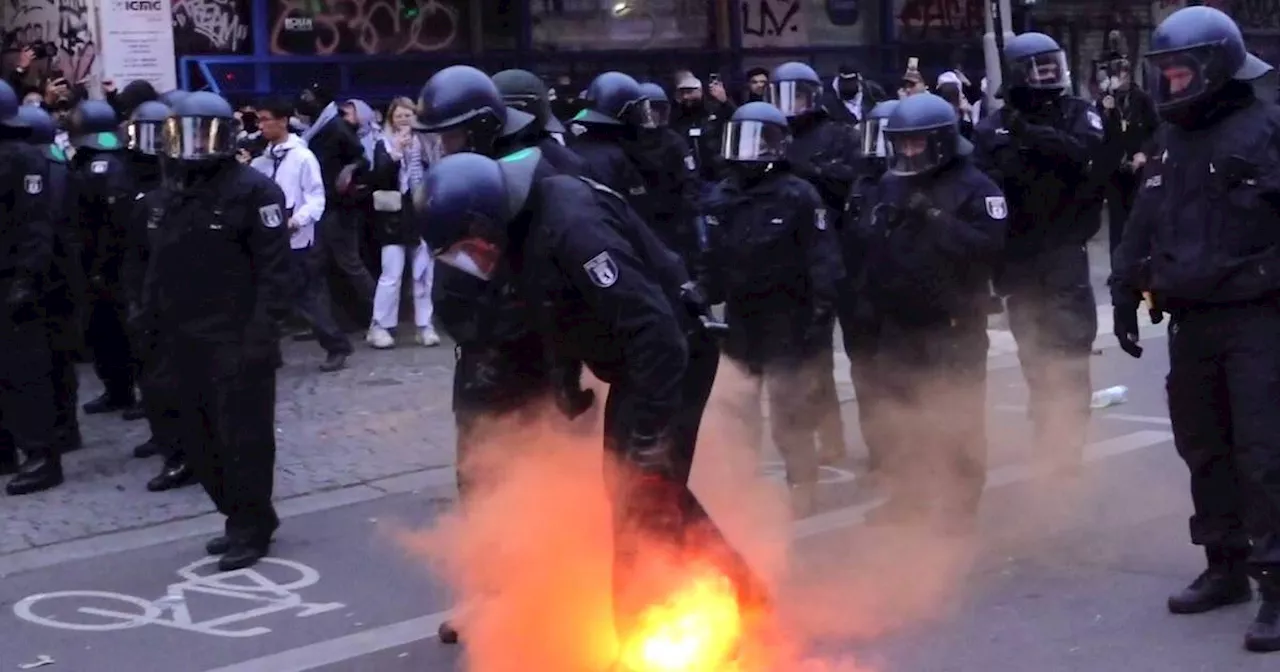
x: 650, y: 453
x: 919, y: 204
x: 20, y: 301
x: 570, y: 398
x: 1125, y: 318
x: 1014, y: 121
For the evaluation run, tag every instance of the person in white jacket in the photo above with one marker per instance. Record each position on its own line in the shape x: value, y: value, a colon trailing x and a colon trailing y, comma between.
x: 294, y: 168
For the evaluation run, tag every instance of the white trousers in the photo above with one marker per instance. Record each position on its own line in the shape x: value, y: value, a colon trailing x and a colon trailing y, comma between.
x: 386, y: 299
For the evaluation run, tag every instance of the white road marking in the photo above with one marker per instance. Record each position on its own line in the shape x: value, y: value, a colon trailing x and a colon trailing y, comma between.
x: 321, y: 654
x: 1144, y: 419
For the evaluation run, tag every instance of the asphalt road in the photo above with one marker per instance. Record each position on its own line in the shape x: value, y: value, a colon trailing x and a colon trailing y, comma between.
x: 1062, y: 579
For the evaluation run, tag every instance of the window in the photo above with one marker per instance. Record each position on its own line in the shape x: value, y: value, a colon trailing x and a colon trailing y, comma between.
x: 582, y: 25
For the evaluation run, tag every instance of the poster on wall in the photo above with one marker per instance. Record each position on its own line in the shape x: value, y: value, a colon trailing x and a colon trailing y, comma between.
x: 137, y: 42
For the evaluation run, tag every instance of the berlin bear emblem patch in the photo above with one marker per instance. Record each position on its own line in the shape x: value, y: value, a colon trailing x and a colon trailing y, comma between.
x: 33, y: 184
x: 996, y: 207
x: 271, y: 216
x: 602, y: 270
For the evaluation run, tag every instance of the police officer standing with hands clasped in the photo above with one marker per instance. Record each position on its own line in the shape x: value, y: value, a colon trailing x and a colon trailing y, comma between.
x: 216, y: 288
x: 1203, y: 241
x: 1038, y: 149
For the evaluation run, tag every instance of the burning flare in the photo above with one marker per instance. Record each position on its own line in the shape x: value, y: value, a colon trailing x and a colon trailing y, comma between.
x: 698, y: 629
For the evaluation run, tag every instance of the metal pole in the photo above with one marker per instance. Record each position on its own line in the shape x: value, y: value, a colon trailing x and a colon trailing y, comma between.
x: 992, y: 45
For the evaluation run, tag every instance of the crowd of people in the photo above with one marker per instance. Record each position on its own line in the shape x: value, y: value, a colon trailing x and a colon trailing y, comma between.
x: 545, y: 230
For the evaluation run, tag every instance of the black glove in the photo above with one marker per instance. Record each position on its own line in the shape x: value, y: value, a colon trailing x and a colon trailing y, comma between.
x: 650, y: 453
x: 570, y: 398
x: 918, y: 203
x: 694, y: 299
x: 1125, y: 318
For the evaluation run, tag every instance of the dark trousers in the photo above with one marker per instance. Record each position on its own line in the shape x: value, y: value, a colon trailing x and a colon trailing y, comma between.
x: 1054, y: 319
x: 1224, y: 379
x: 158, y: 379
x: 869, y: 393
x: 112, y: 356
x: 796, y: 408
x: 66, y: 394
x: 27, y: 403
x: 338, y: 239
x: 1120, y: 194
x: 934, y: 384
x: 313, y: 301
x: 227, y: 422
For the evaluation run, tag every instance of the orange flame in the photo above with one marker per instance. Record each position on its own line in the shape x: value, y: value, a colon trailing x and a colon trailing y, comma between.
x: 698, y: 629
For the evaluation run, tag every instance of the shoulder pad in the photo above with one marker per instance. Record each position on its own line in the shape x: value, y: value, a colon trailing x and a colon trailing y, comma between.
x: 601, y: 188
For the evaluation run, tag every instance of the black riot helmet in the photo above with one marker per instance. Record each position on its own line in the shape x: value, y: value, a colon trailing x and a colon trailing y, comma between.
x: 465, y: 203
x: 615, y: 99
x: 463, y: 111
x: 923, y: 135
x: 145, y: 128
x: 757, y: 133
x: 41, y: 131
x: 795, y: 89
x: 94, y: 125
x: 201, y: 127
x: 1038, y: 71
x: 171, y: 98
x: 659, y: 103
x: 873, y: 144
x: 1194, y: 53
x: 522, y: 90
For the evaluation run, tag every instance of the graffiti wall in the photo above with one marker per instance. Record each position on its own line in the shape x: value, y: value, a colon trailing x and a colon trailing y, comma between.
x: 62, y: 31
x: 323, y: 27
x: 212, y: 27
x: 922, y: 20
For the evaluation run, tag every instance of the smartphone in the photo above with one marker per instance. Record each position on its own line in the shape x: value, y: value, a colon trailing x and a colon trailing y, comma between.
x: 713, y: 77
x: 913, y: 63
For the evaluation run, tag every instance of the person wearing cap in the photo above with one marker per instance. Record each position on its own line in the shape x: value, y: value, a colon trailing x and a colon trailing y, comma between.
x: 1202, y: 242
x: 851, y: 97
x: 701, y: 119
x: 931, y: 243
x: 1040, y: 149
x: 27, y: 398
x: 911, y: 84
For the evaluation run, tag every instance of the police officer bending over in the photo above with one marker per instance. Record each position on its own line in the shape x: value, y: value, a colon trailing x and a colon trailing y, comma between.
x: 216, y: 288
x: 605, y: 289
x: 774, y: 258
x: 858, y: 327
x: 1038, y: 149
x: 26, y: 257
x: 936, y: 230
x: 1202, y: 239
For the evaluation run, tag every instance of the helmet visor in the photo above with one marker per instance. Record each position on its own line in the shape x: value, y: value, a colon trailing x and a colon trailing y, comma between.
x: 474, y: 256
x: 454, y: 140
x: 1177, y: 77
x: 522, y: 102
x: 145, y: 137
x: 638, y: 114
x: 199, y: 137
x: 873, y: 143
x: 795, y: 98
x: 661, y: 111
x: 754, y: 141
x: 913, y: 153
x: 1042, y: 71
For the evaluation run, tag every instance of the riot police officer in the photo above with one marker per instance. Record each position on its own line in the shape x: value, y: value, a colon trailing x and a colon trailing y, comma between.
x: 824, y: 153
x: 858, y: 326
x: 64, y: 288
x: 104, y: 199
x: 660, y: 108
x: 607, y: 291
x: 774, y: 258
x: 936, y: 231
x: 1038, y: 148
x: 27, y: 407
x: 217, y: 285
x: 1202, y: 240
x: 522, y: 90
x: 144, y: 133
x: 616, y: 108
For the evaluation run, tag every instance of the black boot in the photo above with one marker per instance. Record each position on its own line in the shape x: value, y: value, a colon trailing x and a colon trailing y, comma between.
x: 40, y: 471
x: 148, y: 449
x: 1224, y: 583
x: 242, y: 553
x: 174, y: 474
x: 334, y: 362
x: 107, y: 403
x: 134, y: 412
x: 218, y: 545
x: 447, y: 633
x: 8, y: 462
x: 69, y: 438
x: 1263, y: 635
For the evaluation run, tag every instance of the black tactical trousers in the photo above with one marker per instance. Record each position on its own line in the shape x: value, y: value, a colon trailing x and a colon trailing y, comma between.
x: 27, y: 404
x: 112, y: 355
x: 1224, y: 379
x: 158, y: 379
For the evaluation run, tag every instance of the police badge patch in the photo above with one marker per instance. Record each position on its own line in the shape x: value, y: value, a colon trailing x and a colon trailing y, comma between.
x: 98, y: 167
x: 689, y: 163
x: 996, y: 207
x: 820, y: 219
x: 33, y: 184
x: 1094, y: 120
x: 602, y: 271
x: 271, y: 216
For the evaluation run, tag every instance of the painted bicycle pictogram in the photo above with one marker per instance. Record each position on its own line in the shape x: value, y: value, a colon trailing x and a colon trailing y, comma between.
x: 87, y: 610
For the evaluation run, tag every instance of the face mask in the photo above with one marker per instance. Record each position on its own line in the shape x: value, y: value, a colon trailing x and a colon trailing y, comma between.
x: 249, y: 122
x: 848, y: 89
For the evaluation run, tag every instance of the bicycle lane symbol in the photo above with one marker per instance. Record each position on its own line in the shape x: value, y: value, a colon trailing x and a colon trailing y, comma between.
x: 265, y: 597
